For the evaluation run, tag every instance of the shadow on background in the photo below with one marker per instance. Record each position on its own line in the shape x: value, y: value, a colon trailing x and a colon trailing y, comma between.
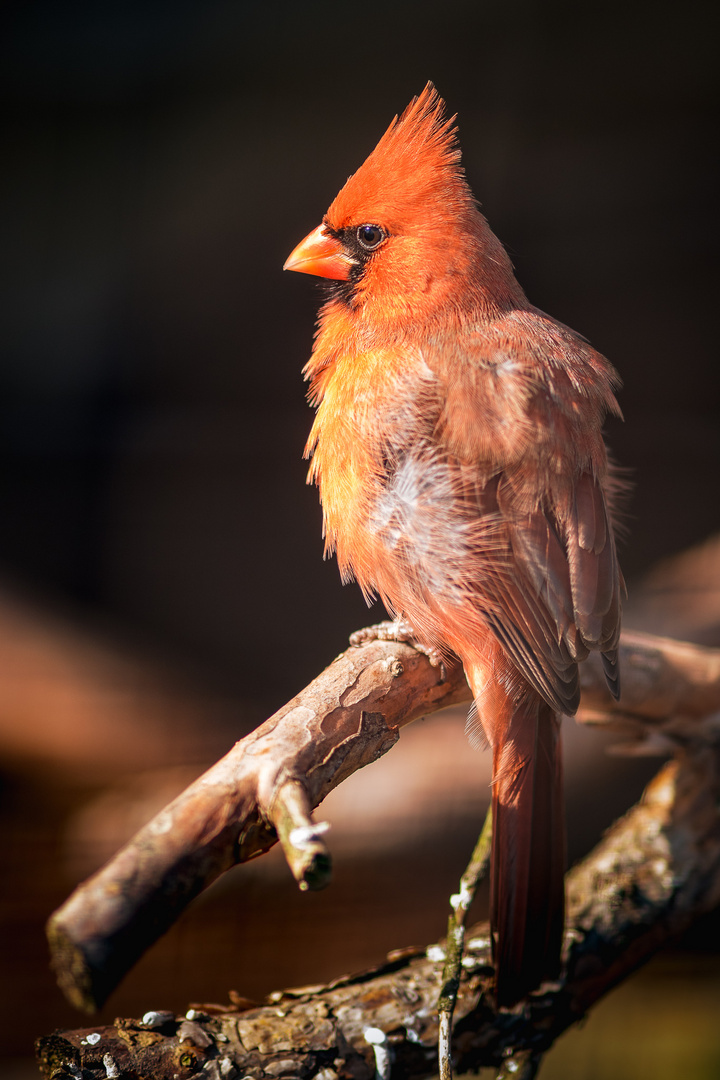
x: 164, y: 586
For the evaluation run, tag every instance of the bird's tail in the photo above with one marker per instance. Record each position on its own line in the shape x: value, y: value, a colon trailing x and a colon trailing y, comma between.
x: 528, y: 848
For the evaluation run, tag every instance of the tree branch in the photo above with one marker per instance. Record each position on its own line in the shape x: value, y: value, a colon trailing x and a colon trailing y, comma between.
x: 656, y: 870
x: 270, y: 781
x: 264, y: 787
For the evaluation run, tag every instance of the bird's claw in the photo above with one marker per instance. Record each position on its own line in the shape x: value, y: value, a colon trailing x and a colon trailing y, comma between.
x: 399, y: 630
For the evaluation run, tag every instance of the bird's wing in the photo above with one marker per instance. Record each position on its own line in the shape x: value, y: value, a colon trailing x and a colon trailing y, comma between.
x: 527, y: 434
x: 558, y: 595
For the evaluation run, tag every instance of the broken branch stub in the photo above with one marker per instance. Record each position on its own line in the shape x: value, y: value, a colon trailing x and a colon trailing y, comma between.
x: 265, y: 786
x: 269, y: 783
x: 656, y: 870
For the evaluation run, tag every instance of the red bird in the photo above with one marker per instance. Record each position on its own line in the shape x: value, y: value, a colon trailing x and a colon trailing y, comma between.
x: 458, y: 450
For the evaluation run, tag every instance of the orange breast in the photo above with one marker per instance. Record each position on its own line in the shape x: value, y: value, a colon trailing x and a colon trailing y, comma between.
x: 366, y: 417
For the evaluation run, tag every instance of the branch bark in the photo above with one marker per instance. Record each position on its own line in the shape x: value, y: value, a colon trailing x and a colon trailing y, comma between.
x: 264, y: 788
x: 656, y: 870
x: 267, y: 786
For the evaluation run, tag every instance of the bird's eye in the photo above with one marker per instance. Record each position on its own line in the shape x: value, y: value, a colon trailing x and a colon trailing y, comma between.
x: 370, y: 236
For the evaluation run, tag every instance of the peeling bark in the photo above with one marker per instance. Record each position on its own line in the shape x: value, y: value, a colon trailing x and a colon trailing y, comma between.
x: 264, y: 787
x: 655, y: 871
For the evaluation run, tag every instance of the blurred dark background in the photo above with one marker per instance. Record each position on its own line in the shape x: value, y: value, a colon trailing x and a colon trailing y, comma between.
x: 161, y: 578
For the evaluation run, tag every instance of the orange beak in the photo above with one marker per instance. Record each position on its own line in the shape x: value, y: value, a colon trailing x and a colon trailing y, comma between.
x: 321, y: 254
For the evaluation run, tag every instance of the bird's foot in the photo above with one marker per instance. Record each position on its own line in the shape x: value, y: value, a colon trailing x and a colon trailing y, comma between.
x: 399, y: 630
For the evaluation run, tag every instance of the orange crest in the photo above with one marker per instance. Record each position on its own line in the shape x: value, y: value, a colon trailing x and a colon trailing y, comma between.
x: 415, y: 166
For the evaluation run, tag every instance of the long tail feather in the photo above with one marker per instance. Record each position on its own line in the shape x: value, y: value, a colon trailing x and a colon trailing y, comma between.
x: 528, y: 852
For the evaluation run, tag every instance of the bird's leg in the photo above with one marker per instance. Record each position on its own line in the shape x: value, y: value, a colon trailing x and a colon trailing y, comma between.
x: 398, y: 630
x: 460, y: 903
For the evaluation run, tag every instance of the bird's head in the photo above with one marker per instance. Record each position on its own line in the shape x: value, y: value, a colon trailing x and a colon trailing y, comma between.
x: 404, y: 237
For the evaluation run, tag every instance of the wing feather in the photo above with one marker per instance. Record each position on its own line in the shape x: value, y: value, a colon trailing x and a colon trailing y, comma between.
x: 559, y: 596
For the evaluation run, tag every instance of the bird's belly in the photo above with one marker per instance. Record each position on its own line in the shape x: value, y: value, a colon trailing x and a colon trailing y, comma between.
x: 412, y: 536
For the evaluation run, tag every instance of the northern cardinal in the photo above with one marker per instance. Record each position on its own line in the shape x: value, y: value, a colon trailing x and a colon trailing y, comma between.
x: 458, y: 450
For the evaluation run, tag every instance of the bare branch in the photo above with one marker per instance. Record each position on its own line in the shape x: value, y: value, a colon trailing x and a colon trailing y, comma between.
x: 668, y: 687
x: 265, y: 786
x: 270, y: 781
x: 656, y: 870
x: 455, y: 943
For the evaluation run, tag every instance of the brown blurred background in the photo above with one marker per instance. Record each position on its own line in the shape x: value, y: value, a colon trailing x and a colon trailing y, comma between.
x: 161, y: 581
